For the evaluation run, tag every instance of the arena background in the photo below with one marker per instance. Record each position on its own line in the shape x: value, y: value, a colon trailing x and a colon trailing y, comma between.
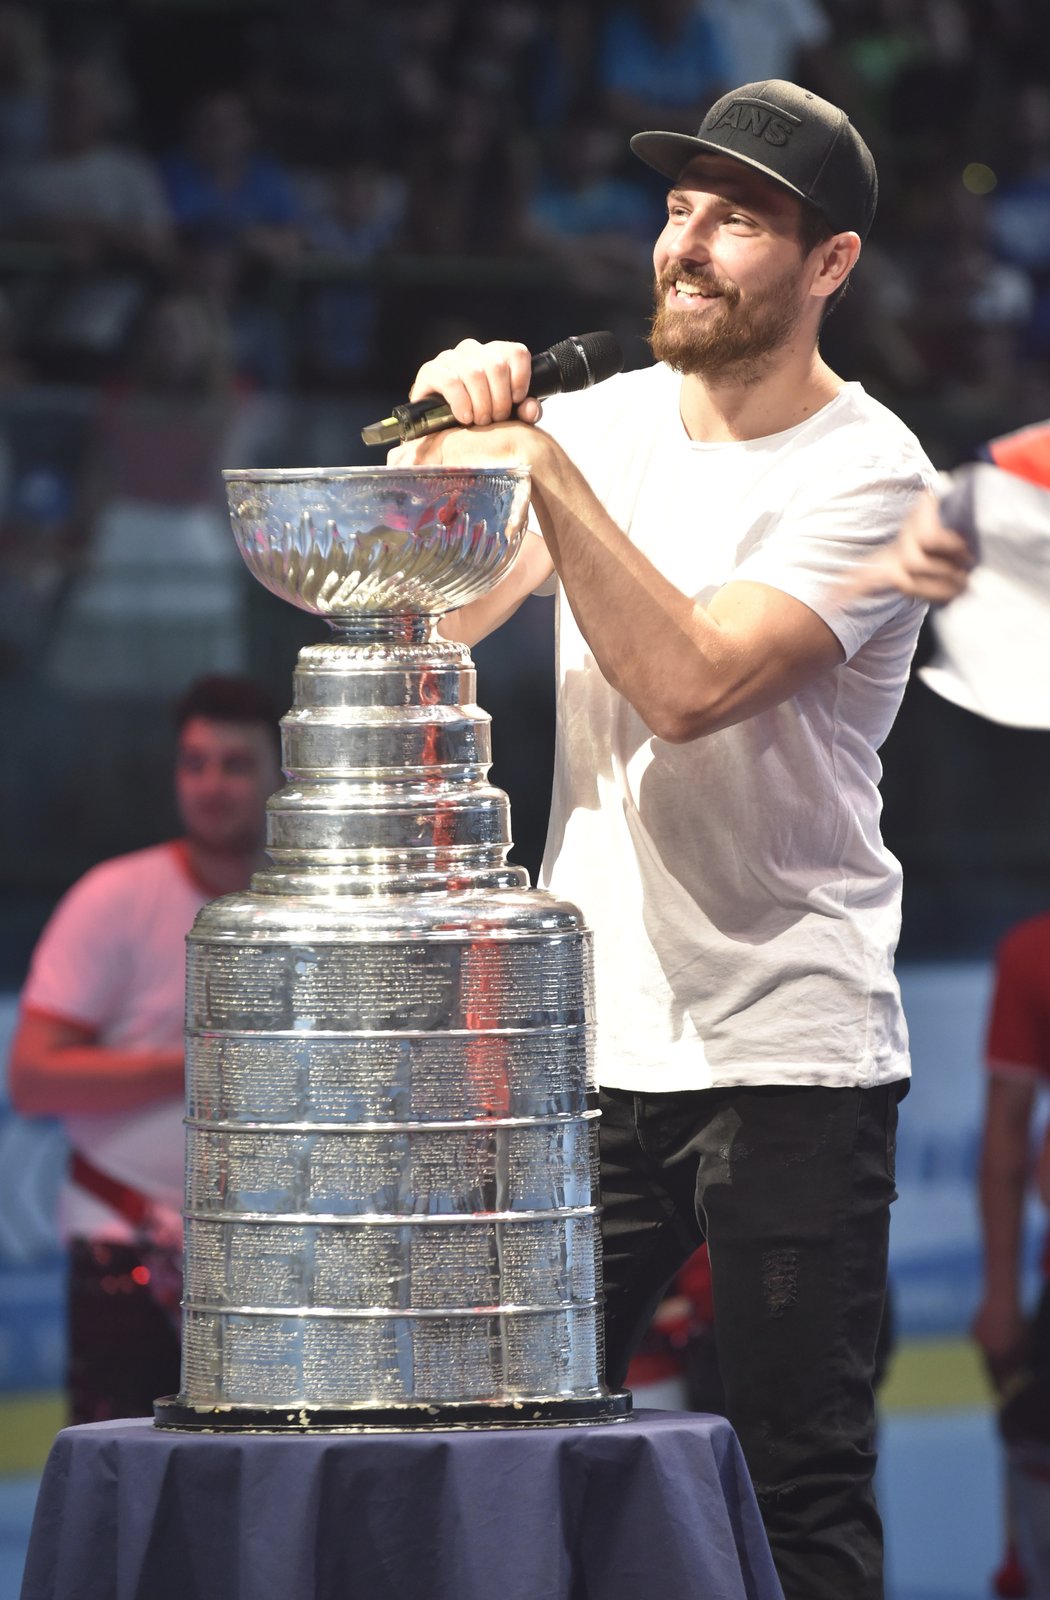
x: 408, y: 175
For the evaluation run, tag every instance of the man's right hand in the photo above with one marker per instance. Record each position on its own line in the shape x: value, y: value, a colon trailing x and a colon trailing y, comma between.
x: 1001, y: 1332
x: 482, y: 383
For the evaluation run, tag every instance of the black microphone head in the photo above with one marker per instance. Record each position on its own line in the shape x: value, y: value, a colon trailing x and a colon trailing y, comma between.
x: 584, y: 359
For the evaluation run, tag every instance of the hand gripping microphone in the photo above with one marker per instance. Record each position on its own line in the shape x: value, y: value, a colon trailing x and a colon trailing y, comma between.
x: 572, y: 364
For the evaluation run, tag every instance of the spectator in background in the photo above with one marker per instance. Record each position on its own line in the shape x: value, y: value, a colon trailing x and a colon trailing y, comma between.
x: 932, y: 559
x: 100, y: 205
x: 156, y: 594
x: 354, y: 215
x: 34, y: 508
x: 466, y: 179
x: 657, y: 61
x: 535, y: 58
x: 23, y: 86
x: 580, y: 191
x: 593, y: 221
x: 559, y: 62
x: 498, y: 37
x: 425, y: 43
x: 220, y: 177
x: 209, y: 266
x: 1020, y: 204
x: 1014, y: 1338
x: 88, y: 191
x: 962, y: 309
x: 99, y: 1044
x: 157, y: 591
x: 321, y: 76
x: 523, y: 52
x: 776, y: 39
x: 471, y: 84
x: 974, y: 319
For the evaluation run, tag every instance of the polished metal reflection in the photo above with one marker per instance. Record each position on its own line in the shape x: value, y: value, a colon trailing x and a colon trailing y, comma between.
x: 360, y: 540
x: 391, y: 1193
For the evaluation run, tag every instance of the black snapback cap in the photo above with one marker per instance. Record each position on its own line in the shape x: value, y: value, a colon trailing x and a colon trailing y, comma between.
x: 802, y: 142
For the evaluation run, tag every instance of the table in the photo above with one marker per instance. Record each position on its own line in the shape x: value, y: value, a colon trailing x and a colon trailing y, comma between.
x: 658, y: 1507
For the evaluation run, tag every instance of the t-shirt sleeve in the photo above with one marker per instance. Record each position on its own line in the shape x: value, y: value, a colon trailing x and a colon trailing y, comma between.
x: 1018, y: 1039
x: 79, y: 967
x: 827, y: 530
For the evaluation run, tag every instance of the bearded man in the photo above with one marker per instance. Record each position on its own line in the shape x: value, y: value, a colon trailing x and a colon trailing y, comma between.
x: 721, y: 699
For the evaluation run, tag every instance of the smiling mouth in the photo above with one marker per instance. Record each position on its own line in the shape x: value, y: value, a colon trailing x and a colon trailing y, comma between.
x: 685, y: 290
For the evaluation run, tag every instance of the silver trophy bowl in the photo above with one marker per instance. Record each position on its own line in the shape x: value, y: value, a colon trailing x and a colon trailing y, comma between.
x: 392, y: 1177
x: 361, y: 540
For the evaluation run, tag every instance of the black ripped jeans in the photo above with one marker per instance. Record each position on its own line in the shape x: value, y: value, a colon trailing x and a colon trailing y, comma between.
x: 791, y: 1187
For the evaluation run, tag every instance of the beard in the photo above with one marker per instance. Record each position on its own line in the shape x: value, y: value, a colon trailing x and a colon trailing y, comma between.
x: 730, y: 342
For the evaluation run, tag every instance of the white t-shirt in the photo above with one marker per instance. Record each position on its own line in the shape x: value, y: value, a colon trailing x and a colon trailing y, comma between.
x: 113, y: 957
x: 745, y: 910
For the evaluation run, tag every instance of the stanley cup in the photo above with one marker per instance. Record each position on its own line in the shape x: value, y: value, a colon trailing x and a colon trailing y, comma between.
x: 391, y: 1171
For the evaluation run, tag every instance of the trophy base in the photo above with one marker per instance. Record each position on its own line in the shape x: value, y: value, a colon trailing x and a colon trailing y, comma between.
x: 171, y: 1412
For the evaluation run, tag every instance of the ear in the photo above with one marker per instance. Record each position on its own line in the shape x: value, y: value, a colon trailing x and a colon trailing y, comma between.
x: 832, y: 262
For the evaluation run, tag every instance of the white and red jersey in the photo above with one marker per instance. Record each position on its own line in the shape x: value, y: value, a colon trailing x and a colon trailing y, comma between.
x: 112, y: 959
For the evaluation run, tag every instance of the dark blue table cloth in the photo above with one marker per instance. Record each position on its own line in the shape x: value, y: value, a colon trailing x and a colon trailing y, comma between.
x: 659, y: 1507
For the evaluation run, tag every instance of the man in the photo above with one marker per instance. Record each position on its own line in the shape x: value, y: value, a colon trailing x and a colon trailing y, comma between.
x: 715, y: 809
x: 1018, y: 1061
x: 99, y: 1044
x: 988, y: 539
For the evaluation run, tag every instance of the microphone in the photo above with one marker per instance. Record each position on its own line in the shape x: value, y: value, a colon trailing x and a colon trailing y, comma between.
x: 571, y: 364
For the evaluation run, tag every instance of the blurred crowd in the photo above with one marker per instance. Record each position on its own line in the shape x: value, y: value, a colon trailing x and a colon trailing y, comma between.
x: 212, y: 209
x: 297, y: 172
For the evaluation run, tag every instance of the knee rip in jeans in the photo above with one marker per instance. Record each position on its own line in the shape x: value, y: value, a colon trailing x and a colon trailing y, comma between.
x: 779, y: 1280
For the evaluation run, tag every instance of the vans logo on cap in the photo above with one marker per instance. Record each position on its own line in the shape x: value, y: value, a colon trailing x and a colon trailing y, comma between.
x: 752, y: 116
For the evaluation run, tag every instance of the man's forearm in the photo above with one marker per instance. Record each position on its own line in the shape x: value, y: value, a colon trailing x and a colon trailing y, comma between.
x: 653, y: 643
x: 687, y: 669
x: 1004, y: 1176
x: 481, y: 617
x: 1002, y: 1194
x: 87, y: 1077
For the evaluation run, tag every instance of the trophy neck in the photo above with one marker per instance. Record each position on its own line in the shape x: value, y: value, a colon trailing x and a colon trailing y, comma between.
x: 387, y: 755
x: 364, y: 628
